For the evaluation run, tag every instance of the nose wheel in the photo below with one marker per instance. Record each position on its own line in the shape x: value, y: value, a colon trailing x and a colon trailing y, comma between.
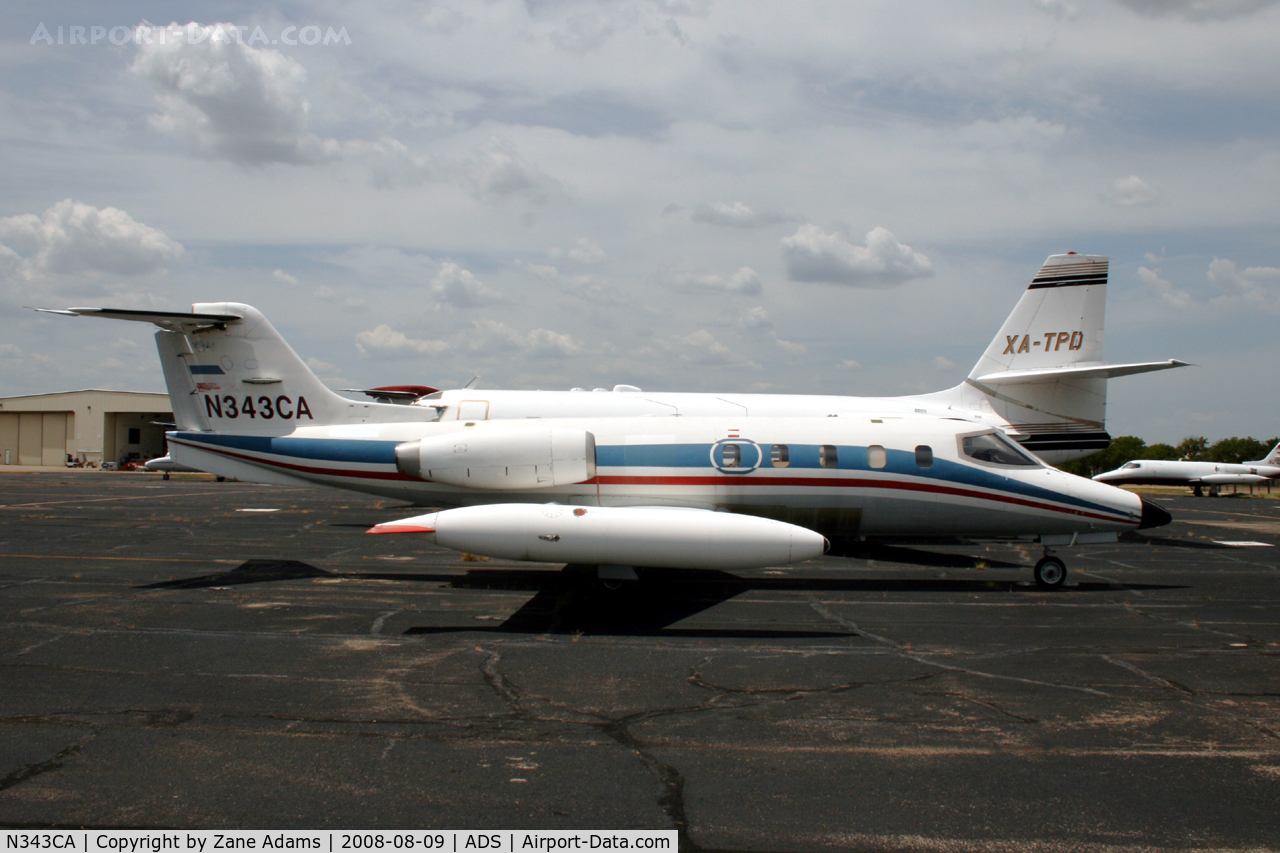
x: 1050, y: 572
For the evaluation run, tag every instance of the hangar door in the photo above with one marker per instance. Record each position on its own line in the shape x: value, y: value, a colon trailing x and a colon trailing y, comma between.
x: 33, y: 438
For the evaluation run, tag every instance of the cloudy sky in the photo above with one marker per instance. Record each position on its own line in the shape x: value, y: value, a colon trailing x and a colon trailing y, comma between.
x: 811, y: 197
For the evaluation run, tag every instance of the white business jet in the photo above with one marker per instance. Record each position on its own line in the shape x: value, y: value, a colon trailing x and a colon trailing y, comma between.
x: 1197, y: 475
x: 736, y: 481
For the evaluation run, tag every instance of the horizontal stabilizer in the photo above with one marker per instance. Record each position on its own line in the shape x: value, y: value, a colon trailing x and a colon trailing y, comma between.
x: 163, y: 319
x: 1096, y: 371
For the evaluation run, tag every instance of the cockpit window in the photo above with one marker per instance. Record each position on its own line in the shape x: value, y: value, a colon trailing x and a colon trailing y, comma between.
x: 1131, y: 465
x: 995, y: 448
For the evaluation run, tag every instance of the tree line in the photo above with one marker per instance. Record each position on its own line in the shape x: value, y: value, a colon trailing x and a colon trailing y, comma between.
x: 1195, y: 447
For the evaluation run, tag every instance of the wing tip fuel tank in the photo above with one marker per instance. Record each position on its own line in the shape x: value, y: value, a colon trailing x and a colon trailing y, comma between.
x: 658, y: 537
x: 393, y: 527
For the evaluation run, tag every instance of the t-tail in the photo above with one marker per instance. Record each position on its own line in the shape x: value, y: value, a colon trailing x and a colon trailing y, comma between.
x: 228, y: 370
x: 1272, y: 458
x: 1044, y: 372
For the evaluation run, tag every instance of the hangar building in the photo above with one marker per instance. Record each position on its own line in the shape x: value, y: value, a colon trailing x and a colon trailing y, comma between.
x: 88, y: 426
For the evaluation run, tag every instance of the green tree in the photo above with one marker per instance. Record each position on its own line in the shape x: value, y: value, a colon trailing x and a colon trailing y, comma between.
x: 1237, y: 450
x: 1193, y: 447
x: 1160, y: 451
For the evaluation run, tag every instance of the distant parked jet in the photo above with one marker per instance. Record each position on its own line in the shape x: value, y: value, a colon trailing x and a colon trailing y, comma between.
x: 1150, y: 472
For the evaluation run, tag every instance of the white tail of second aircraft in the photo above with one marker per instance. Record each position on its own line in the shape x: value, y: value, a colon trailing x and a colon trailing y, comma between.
x: 1272, y: 458
x: 1044, y: 372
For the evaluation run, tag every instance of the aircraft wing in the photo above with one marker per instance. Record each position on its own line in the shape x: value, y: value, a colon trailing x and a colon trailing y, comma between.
x: 164, y: 319
x: 1095, y: 371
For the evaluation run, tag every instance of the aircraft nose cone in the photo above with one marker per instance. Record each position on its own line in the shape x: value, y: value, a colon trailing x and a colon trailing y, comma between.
x: 1153, y: 515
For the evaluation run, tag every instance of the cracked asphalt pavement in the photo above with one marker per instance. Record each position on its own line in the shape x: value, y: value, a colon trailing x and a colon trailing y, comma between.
x: 194, y: 654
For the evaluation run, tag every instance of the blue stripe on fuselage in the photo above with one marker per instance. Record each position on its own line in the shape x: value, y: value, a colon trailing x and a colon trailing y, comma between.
x: 349, y: 450
x: 849, y: 458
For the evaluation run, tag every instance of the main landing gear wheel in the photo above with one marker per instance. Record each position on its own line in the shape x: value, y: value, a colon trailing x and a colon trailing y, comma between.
x: 1050, y: 572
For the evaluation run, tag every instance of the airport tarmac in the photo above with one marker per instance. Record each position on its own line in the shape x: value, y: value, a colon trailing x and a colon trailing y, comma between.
x: 194, y: 654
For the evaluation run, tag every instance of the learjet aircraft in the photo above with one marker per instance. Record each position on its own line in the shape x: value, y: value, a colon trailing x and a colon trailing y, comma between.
x: 627, y: 479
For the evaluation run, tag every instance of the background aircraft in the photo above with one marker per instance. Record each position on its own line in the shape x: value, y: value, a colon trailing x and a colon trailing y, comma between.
x: 1197, y: 475
x: 167, y: 465
x: 246, y: 406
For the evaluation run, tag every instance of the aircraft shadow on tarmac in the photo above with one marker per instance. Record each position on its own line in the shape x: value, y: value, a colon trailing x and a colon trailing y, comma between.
x: 1170, y: 542
x: 573, y: 601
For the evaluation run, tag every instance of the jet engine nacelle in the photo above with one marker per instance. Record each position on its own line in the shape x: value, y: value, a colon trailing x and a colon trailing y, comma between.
x: 502, y: 458
x: 657, y: 537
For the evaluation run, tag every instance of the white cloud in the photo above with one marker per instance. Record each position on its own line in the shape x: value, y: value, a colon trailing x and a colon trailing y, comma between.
x: 392, y: 164
x: 282, y: 276
x: 943, y: 363
x: 1164, y: 289
x: 849, y: 364
x: 74, y: 238
x: 736, y: 215
x: 745, y: 281
x: 230, y: 101
x: 233, y: 101
x: 459, y: 288
x: 790, y: 349
x: 812, y: 254
x: 703, y: 349
x: 756, y: 318
x: 1259, y: 286
x: 387, y: 343
x: 492, y: 334
x: 584, y: 252
x: 757, y: 323
x: 320, y: 366
x: 1132, y: 192
x: 497, y: 172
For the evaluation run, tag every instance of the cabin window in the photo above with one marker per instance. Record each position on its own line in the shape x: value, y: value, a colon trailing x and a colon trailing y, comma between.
x: 876, y: 457
x: 731, y: 456
x: 995, y: 448
x: 780, y: 456
x: 827, y: 456
x: 924, y: 456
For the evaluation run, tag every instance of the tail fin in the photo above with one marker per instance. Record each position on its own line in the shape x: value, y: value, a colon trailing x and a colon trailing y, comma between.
x: 1272, y: 458
x: 227, y: 368
x: 1044, y: 372
x: 1057, y: 322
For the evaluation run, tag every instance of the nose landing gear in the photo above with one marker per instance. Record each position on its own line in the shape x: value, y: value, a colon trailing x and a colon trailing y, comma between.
x: 1050, y: 572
